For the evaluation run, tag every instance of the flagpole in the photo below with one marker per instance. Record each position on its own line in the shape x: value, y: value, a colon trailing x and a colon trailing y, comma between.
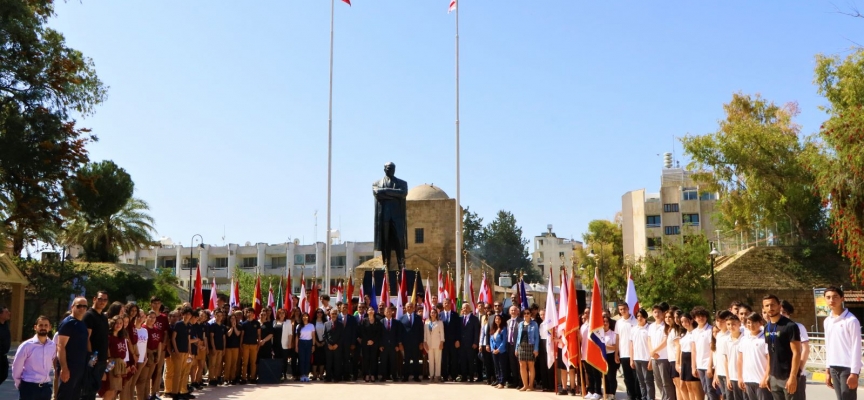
x: 329, y: 153
x: 458, y: 206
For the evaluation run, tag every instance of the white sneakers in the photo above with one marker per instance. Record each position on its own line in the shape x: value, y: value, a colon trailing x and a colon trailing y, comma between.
x: 592, y: 396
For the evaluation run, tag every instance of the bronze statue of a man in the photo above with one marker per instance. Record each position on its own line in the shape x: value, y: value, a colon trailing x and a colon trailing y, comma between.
x: 391, y: 225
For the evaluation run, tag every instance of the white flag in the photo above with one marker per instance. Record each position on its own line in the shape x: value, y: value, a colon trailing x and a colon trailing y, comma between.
x: 452, y: 6
x: 550, y: 323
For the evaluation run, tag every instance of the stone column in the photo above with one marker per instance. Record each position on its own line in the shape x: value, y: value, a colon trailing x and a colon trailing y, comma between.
x: 261, y: 247
x: 289, y: 254
x: 232, y: 259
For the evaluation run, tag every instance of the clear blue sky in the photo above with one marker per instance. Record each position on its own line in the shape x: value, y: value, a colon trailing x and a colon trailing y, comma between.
x: 219, y: 109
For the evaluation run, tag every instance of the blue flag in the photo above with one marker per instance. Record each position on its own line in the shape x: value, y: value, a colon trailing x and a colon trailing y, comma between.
x: 522, y: 294
x: 373, y: 298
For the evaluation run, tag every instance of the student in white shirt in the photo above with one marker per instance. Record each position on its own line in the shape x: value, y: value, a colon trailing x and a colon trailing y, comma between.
x: 721, y: 344
x: 610, y: 339
x: 673, y: 333
x: 753, y: 360
x: 786, y: 310
x: 702, y: 335
x: 730, y: 359
x: 690, y: 385
x: 640, y: 357
x: 622, y: 328
x: 657, y: 333
x: 842, y: 347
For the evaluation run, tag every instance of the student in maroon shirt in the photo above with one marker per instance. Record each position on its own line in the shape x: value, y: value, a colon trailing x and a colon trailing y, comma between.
x: 160, y: 325
x: 118, y: 346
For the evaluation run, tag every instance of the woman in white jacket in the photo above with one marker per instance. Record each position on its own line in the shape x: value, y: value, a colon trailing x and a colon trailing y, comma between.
x: 288, y: 345
x: 433, y: 342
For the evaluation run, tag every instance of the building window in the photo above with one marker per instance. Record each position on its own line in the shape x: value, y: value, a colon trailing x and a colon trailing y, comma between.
x: 707, y: 196
x: 560, y: 254
x: 654, y: 243
x: 362, y: 259
x: 170, y: 264
x: 299, y: 259
x: 221, y: 262
x: 689, y: 194
x: 279, y: 262
x: 418, y: 235
x: 690, y: 219
x: 190, y: 263
x: 541, y: 242
x: 670, y: 208
x: 652, y: 221
x: 672, y: 230
x: 337, y: 261
x: 250, y: 262
x: 310, y: 259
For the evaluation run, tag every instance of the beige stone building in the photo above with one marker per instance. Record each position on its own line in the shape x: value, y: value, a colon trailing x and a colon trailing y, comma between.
x: 431, y: 229
x: 678, y: 210
x: 553, y: 252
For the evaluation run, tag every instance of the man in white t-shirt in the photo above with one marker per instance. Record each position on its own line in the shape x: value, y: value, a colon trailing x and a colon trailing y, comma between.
x: 753, y: 360
x: 720, y: 349
x: 659, y: 355
x: 730, y: 358
x: 623, y: 327
x: 842, y: 347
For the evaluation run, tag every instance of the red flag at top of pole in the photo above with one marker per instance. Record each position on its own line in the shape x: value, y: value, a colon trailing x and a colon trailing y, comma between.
x: 596, y: 353
x: 213, y: 295
x: 572, y: 336
x: 271, y: 302
x: 304, y: 302
x: 257, y: 301
x: 198, y: 295
x: 452, y: 6
x: 288, y: 302
x: 314, y: 305
x: 403, y: 288
x: 385, y: 291
x: 349, y: 295
x: 348, y: 2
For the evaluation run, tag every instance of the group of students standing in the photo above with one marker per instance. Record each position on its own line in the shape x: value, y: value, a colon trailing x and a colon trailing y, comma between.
x: 121, y: 351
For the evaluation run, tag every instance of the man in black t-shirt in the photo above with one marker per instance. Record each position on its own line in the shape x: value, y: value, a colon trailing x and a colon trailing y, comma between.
x: 251, y: 334
x: 97, y: 329
x: 180, y: 357
x: 216, y: 341
x: 784, y: 348
x: 72, y: 351
x: 5, y: 342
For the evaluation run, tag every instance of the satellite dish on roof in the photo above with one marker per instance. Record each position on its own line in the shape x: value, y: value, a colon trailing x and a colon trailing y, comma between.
x: 166, y: 241
x: 248, y: 243
x: 296, y: 242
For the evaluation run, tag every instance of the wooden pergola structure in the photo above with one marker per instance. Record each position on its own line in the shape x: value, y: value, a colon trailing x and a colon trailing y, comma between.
x: 12, y: 276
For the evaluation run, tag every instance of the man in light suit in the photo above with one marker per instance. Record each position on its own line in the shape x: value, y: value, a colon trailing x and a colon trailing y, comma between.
x: 469, y: 339
x: 412, y: 342
x: 452, y: 329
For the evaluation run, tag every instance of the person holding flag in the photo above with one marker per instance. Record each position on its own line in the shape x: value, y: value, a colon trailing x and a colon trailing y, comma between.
x: 624, y: 327
x: 595, y: 353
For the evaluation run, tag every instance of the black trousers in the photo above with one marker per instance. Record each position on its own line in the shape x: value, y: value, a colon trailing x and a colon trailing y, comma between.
x: 594, y: 378
x: 334, y: 362
x: 541, y: 369
x: 411, y: 360
x: 357, y: 360
x: 468, y: 362
x: 633, y: 391
x: 93, y: 379
x: 370, y: 359
x: 449, y: 361
x: 4, y: 368
x: 71, y: 389
x: 489, y: 367
x: 387, y: 368
x: 611, y: 379
x: 515, y: 376
x: 35, y: 391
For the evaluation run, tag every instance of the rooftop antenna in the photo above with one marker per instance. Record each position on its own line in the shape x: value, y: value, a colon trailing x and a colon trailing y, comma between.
x: 223, y: 235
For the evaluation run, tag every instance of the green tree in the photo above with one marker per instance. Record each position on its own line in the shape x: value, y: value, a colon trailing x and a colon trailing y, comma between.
x: 754, y: 160
x: 247, y: 286
x: 472, y: 231
x: 504, y: 248
x: 101, y: 190
x: 42, y: 84
x: 103, y: 239
x: 51, y: 285
x: 605, y: 239
x: 678, y: 274
x: 838, y: 165
x: 165, y: 287
x: 121, y: 285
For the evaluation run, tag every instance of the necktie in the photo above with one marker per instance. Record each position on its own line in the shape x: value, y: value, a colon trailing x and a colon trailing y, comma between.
x: 411, y: 320
x: 512, y: 328
x: 465, y: 323
x: 388, y: 324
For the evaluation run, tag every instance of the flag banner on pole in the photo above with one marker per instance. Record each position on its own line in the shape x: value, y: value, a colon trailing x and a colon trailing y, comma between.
x: 314, y: 303
x: 348, y: 2
x: 484, y: 294
x: 198, y: 295
x: 271, y: 301
x: 563, y: 304
x: 442, y: 291
x: 236, y: 290
x: 522, y: 293
x: 551, y: 322
x: 350, y: 296
x: 469, y: 295
x: 427, y: 301
x: 452, y: 6
x: 304, y: 303
x: 213, y: 295
x: 362, y: 297
x: 572, y: 334
x: 338, y: 293
x: 257, y: 300
x: 288, y: 303
x: 403, y: 287
x: 385, y: 291
x: 631, y: 298
x: 279, y: 296
x: 413, y: 299
x: 596, y: 353
x: 373, y: 298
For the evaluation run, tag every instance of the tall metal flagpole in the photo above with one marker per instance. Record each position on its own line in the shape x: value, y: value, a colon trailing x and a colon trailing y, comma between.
x: 329, y: 155
x: 458, y: 204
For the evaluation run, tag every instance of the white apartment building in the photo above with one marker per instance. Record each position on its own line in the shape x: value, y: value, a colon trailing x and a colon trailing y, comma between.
x: 550, y: 251
x: 218, y: 262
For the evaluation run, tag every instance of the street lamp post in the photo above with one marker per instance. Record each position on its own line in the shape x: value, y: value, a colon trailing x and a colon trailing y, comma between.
x: 714, y: 253
x: 192, y: 247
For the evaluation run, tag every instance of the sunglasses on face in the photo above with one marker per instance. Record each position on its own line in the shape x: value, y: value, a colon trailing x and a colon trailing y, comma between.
x: 80, y: 306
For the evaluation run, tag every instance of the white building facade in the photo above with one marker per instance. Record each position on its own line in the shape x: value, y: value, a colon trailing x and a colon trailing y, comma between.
x: 550, y: 251
x: 219, y: 262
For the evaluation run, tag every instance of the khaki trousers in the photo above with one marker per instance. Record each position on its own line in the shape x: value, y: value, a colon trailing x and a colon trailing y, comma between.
x: 169, y: 375
x: 231, y: 356
x: 215, y: 367
x: 249, y: 357
x: 181, y: 372
x: 158, y: 369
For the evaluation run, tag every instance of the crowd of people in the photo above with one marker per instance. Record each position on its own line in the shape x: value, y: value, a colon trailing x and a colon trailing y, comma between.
x: 120, y: 351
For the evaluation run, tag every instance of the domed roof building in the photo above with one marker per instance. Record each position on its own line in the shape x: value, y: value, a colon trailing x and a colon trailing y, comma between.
x: 427, y: 192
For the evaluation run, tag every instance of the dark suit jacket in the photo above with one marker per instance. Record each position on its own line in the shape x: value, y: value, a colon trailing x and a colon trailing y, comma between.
x: 370, y: 331
x: 452, y: 327
x: 391, y: 338
x: 470, y: 331
x: 333, y: 332
x: 504, y: 317
x: 349, y: 335
x: 412, y: 334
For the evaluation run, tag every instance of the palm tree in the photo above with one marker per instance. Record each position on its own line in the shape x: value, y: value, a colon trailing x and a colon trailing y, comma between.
x: 104, y: 239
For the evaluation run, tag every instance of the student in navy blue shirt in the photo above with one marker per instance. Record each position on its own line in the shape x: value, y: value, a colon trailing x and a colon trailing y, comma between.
x: 72, y: 351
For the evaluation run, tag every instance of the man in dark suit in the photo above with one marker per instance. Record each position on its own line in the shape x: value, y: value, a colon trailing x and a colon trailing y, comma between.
x: 512, y: 333
x: 499, y: 310
x: 356, y: 354
x: 469, y: 339
x: 391, y: 338
x: 412, y: 342
x: 349, y: 341
x: 334, y: 350
x: 452, y: 329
